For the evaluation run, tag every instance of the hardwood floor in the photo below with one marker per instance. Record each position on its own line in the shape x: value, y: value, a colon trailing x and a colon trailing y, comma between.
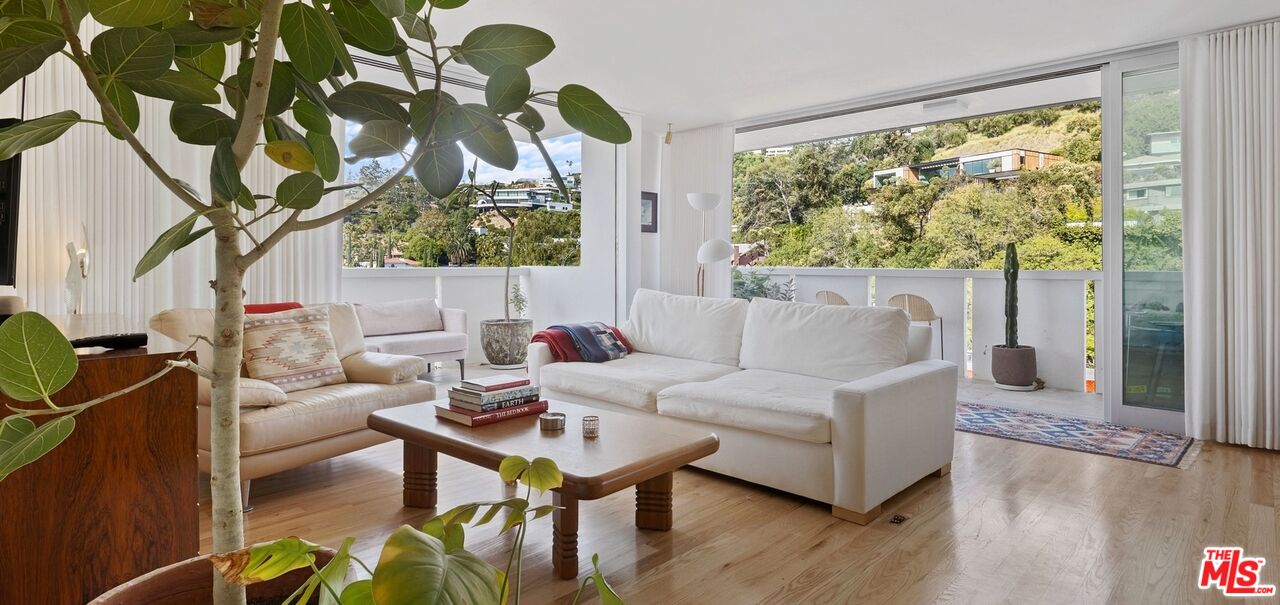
x: 1012, y: 523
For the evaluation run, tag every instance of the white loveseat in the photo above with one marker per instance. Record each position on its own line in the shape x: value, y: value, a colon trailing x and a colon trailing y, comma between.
x: 838, y: 404
x: 417, y: 327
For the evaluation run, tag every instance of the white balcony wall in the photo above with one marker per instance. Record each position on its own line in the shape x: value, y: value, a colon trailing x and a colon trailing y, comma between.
x: 946, y: 294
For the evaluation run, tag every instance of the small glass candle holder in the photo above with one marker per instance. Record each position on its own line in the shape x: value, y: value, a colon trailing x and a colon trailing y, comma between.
x: 551, y: 421
x: 590, y: 427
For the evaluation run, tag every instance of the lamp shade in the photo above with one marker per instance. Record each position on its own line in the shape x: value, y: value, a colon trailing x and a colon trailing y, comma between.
x: 704, y: 201
x: 714, y: 250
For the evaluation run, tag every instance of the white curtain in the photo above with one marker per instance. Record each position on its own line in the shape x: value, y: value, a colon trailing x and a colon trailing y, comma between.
x: 91, y: 182
x: 1231, y: 160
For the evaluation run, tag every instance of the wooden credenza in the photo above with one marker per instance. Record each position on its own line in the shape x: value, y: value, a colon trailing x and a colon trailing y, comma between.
x: 115, y: 500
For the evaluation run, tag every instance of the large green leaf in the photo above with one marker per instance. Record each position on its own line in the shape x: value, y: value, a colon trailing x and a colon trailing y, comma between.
x: 36, y: 360
x: 190, y: 33
x: 17, y: 63
x: 224, y: 175
x: 494, y: 147
x: 362, y: 106
x: 507, y: 89
x: 447, y: 4
x: 417, y: 28
x: 223, y: 13
x: 396, y: 95
x: 292, y: 154
x: 531, y: 119
x: 607, y: 594
x: 277, y: 129
x: 311, y: 117
x: 590, y: 114
x: 423, y: 106
x: 34, y: 133
x: 335, y: 40
x: 325, y: 151
x: 281, y: 94
x: 178, y: 86
x: 390, y: 8
x: 133, y: 13
x: 125, y: 103
x: 303, y: 32
x: 209, y: 60
x: 21, y: 442
x: 416, y: 568
x: 489, y: 47
x: 172, y: 239
x: 200, y: 124
x: 365, y: 24
x: 300, y: 191
x: 358, y: 593
x: 551, y: 165
x: 16, y: 32
x: 440, y: 169
x: 409, y: 71
x: 266, y: 561
x: 379, y: 138
x: 132, y: 53
x: 458, y: 121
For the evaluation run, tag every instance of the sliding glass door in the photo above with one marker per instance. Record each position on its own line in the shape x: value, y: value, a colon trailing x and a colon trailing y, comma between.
x: 1143, y: 166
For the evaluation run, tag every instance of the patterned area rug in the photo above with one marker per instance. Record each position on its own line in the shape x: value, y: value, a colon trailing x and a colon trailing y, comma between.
x: 1130, y: 443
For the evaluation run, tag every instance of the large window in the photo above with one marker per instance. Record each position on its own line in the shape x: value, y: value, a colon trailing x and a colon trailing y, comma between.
x: 409, y: 228
x: 947, y: 195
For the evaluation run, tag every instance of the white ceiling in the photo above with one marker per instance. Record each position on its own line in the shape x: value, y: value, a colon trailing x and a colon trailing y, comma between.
x: 701, y: 62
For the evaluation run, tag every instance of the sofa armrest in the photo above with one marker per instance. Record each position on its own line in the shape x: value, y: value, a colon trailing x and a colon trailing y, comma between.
x: 383, y: 368
x: 539, y: 355
x: 455, y: 320
x: 891, y: 429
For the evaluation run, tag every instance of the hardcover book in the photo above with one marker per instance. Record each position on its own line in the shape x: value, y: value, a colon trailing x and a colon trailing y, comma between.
x: 489, y: 407
x: 493, y: 396
x: 494, y: 383
x: 474, y: 419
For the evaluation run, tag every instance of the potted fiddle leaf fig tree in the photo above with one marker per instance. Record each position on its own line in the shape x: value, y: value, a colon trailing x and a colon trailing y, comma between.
x: 234, y: 71
x: 1013, y: 365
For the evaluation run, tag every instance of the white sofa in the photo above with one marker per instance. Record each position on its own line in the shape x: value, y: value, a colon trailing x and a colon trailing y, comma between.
x: 838, y: 404
x: 417, y: 327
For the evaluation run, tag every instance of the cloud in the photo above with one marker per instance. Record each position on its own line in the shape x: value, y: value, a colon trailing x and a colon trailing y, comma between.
x: 565, y: 152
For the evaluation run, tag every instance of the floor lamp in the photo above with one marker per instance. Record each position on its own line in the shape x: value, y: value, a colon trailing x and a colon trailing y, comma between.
x: 712, y: 250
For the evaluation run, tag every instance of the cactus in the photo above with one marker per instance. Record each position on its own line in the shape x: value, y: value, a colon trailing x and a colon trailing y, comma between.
x: 1011, y: 296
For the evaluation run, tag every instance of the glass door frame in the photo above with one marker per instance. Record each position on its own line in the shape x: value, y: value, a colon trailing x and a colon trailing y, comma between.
x: 1112, y: 308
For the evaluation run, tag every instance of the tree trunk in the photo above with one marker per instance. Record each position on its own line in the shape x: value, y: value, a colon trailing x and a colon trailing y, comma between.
x: 506, y: 285
x: 224, y: 425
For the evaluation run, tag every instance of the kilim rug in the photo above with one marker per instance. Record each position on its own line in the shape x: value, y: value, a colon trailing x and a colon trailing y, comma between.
x: 1130, y: 443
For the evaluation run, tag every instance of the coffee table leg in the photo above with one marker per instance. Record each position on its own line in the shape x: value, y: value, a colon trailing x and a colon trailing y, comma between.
x: 419, y: 476
x: 653, y: 503
x: 564, y: 536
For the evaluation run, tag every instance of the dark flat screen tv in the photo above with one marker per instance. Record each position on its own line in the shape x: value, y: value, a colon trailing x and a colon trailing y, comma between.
x: 9, y: 171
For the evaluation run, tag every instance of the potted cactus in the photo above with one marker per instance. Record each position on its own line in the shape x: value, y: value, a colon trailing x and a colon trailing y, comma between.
x: 1013, y: 365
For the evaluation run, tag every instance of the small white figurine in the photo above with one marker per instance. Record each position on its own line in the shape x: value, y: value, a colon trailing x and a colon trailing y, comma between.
x: 77, y: 273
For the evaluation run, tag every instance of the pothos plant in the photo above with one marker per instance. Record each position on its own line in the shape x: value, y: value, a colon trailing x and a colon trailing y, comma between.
x: 259, y: 80
x: 418, y: 563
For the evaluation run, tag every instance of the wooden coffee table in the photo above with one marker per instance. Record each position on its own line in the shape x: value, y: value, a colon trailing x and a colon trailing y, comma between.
x: 631, y: 450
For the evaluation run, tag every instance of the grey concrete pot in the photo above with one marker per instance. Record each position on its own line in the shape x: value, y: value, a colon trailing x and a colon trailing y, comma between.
x: 1014, y: 369
x: 506, y: 342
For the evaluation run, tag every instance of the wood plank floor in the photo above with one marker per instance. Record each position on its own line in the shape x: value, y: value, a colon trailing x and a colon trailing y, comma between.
x: 1013, y: 523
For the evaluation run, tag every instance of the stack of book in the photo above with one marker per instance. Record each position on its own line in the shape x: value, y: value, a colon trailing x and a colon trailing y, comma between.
x: 492, y: 399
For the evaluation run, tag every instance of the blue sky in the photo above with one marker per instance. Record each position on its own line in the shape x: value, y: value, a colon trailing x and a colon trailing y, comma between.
x: 565, y: 150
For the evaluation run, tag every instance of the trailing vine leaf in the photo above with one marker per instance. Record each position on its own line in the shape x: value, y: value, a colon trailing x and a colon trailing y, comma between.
x: 291, y: 154
x: 21, y: 442
x: 489, y: 47
x: 589, y: 113
x: 607, y: 594
x: 132, y: 53
x: 33, y: 133
x: 173, y: 239
x: 36, y: 360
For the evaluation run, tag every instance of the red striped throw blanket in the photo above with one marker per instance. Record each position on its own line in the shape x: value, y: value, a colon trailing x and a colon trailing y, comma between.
x: 593, y: 341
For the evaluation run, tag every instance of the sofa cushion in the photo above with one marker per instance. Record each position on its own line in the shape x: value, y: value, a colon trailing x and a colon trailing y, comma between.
x: 382, y: 368
x: 421, y: 343
x: 633, y: 381
x: 319, y: 413
x: 345, y: 327
x: 824, y: 341
x: 691, y: 327
x: 400, y: 317
x: 293, y: 350
x: 778, y: 403
x: 260, y: 394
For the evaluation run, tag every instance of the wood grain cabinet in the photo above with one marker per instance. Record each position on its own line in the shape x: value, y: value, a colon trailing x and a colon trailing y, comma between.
x: 117, y: 499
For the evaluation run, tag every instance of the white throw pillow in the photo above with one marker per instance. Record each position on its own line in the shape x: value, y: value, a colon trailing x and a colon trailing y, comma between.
x: 826, y: 341
x: 400, y: 317
x: 689, y: 327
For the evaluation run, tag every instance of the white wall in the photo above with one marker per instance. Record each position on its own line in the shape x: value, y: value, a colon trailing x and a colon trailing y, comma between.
x: 654, y: 153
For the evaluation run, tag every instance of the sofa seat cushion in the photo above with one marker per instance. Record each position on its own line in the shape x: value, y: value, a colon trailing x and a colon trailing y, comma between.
x: 319, y: 413
x: 633, y: 381
x: 778, y: 403
x: 421, y: 343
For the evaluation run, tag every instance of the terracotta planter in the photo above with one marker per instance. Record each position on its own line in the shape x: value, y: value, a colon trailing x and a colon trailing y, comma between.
x: 506, y: 343
x: 1014, y: 368
x: 190, y: 582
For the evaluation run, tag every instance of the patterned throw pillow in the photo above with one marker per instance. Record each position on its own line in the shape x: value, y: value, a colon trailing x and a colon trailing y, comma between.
x: 293, y: 350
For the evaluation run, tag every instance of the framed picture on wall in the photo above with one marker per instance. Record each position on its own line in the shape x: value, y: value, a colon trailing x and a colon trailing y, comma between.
x: 648, y: 212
